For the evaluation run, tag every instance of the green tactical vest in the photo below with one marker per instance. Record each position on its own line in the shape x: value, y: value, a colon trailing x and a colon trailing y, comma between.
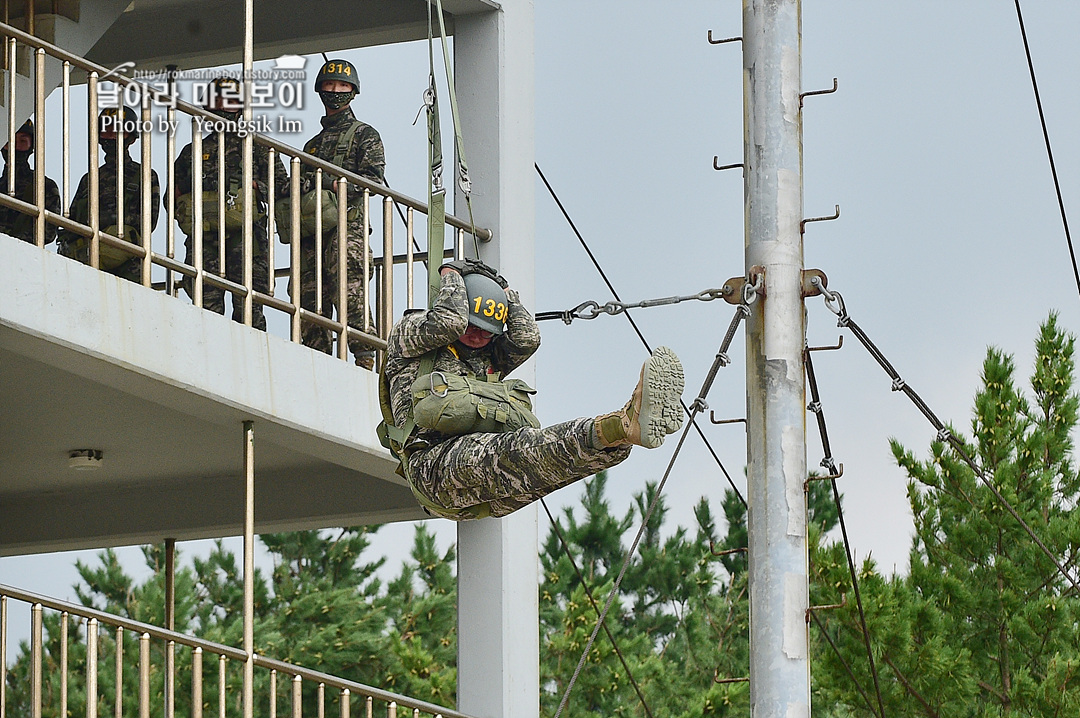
x: 454, y: 405
x: 108, y: 257
x: 309, y: 200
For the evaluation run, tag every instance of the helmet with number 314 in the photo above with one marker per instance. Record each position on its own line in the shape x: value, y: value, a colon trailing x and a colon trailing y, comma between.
x: 487, y: 303
x: 341, y: 70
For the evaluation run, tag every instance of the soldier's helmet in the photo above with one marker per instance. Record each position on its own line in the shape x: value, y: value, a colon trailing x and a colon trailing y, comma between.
x: 225, y: 90
x: 487, y: 303
x: 111, y: 126
x: 342, y: 70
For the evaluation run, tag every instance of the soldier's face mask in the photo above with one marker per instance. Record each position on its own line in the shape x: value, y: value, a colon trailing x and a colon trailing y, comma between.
x: 336, y: 100
x: 108, y: 144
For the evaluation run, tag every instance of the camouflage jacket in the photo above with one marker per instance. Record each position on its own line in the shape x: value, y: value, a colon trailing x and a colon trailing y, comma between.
x: 234, y: 153
x: 364, y: 156
x: 15, y: 223
x: 420, y: 331
x: 107, y: 197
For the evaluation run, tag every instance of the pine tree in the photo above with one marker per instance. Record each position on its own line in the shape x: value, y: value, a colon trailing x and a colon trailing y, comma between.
x: 983, y: 624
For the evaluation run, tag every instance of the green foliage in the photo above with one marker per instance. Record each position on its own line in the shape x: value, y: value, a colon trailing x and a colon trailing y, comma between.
x: 983, y: 624
x: 680, y: 617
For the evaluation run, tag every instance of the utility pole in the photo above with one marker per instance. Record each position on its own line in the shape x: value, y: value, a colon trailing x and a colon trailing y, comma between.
x: 775, y: 374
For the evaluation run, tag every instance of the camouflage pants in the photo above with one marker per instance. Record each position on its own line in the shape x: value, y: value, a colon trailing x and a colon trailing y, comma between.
x: 511, y: 470
x: 214, y: 297
x: 313, y: 335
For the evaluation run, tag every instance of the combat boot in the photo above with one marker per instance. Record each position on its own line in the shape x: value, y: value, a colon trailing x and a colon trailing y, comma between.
x: 654, y: 409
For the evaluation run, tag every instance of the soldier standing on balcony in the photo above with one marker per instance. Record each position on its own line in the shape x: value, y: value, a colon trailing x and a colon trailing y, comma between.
x: 113, y: 124
x: 469, y: 443
x: 13, y: 222
x: 356, y: 147
x: 225, y: 99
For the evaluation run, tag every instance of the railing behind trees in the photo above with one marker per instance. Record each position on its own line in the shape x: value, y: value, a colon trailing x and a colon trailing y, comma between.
x: 160, y: 267
x: 76, y: 673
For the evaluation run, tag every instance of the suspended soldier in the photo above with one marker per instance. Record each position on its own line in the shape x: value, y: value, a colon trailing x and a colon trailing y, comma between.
x: 113, y: 125
x: 355, y: 146
x: 13, y: 222
x: 469, y: 443
x: 225, y: 99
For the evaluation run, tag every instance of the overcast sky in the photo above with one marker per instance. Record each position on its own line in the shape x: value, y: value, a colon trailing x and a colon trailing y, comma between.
x: 949, y: 241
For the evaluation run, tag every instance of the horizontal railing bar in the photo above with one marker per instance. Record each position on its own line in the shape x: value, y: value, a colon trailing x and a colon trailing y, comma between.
x: 372, y: 341
x: 121, y: 622
x: 158, y: 633
x: 335, y: 682
x: 190, y: 109
x: 60, y: 220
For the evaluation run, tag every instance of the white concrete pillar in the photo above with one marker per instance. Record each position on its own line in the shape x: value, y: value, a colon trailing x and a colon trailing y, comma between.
x: 498, y: 628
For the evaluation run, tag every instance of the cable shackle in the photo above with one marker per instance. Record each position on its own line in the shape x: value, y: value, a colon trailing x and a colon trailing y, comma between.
x: 591, y: 309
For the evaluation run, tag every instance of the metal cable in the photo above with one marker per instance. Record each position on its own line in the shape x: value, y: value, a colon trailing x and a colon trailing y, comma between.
x: 1046, y: 139
x: 611, y: 288
x: 699, y: 404
x: 830, y: 465
x: 835, y: 304
x: 591, y: 309
x: 851, y: 673
x: 592, y: 602
x: 625, y: 565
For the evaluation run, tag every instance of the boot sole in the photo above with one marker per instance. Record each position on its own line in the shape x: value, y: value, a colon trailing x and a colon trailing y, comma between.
x: 661, y: 392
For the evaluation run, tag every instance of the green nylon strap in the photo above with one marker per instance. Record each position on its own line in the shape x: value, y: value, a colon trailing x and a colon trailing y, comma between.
x: 463, y: 167
x: 345, y: 142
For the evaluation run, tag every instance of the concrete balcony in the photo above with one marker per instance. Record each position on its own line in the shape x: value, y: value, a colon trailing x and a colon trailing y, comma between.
x: 90, y: 361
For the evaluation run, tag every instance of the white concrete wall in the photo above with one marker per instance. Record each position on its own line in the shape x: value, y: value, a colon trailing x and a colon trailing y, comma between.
x: 498, y: 628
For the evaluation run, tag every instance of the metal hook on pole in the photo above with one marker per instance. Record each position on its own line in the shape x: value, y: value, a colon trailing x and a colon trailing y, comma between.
x: 831, y: 476
x: 811, y: 609
x: 726, y: 552
x: 717, y: 167
x: 721, y: 42
x: 838, y: 345
x: 834, y: 215
x: 713, y: 419
x: 717, y: 679
x: 817, y: 92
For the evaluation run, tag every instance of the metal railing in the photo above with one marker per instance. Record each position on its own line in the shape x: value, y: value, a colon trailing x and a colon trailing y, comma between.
x: 156, y: 256
x: 206, y: 671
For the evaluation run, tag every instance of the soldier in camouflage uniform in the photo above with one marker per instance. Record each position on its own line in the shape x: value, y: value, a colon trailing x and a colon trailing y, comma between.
x: 337, y: 84
x: 225, y: 100
x: 13, y: 222
x: 493, y: 474
x: 76, y: 246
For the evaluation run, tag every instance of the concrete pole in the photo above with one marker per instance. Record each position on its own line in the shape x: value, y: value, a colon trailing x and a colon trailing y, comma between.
x: 498, y: 628
x: 775, y: 385
x: 248, y: 701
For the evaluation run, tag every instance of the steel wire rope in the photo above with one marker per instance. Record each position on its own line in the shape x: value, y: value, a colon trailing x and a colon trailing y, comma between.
x: 835, y: 303
x: 641, y: 336
x: 1046, y: 139
x: 829, y: 464
x: 749, y: 296
x: 844, y: 663
x: 592, y: 602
